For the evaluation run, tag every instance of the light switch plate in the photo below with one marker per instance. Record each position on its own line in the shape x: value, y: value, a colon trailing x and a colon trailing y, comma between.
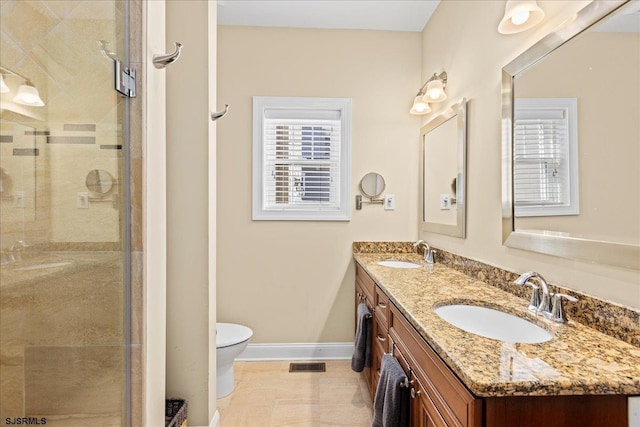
x: 445, y: 202
x: 389, y: 202
x: 18, y: 199
x: 82, y: 201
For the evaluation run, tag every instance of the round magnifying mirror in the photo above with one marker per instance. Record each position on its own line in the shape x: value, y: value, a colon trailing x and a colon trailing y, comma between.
x: 100, y: 181
x: 372, y: 185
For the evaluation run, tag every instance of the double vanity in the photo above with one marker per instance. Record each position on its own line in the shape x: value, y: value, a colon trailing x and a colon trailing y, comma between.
x: 532, y: 371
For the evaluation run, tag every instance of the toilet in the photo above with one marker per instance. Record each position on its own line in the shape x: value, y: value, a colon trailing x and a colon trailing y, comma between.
x: 231, y: 340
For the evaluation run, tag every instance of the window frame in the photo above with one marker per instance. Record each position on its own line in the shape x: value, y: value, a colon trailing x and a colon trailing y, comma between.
x: 296, y: 212
x: 572, y: 202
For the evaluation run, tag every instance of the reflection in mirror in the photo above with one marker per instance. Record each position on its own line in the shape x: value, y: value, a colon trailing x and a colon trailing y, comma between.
x: 6, y: 183
x: 572, y: 182
x: 100, y: 181
x: 443, y: 165
x: 372, y: 185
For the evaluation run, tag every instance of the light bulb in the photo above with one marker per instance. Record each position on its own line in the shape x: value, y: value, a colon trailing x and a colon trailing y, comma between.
x: 520, y: 18
x: 419, y: 106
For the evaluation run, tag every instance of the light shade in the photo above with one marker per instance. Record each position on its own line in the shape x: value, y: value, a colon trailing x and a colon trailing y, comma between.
x: 520, y: 15
x: 28, y: 95
x: 419, y: 106
x: 3, y: 86
x: 435, y: 91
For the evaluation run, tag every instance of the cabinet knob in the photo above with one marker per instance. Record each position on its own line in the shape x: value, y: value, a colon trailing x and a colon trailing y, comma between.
x: 414, y: 393
x: 381, y: 338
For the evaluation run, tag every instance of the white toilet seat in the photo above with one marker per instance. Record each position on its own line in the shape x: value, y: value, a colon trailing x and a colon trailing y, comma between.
x: 229, y: 334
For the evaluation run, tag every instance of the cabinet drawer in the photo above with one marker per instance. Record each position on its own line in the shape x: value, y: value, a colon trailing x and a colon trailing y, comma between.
x: 366, y: 283
x: 456, y: 404
x: 380, y: 335
x: 382, y: 306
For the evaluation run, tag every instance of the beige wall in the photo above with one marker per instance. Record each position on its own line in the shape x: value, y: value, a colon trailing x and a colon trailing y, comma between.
x: 473, y: 56
x: 190, y: 345
x: 293, y: 281
x: 608, y: 155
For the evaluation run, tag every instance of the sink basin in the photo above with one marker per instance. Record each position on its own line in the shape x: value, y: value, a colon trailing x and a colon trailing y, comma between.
x: 493, y: 324
x: 398, y: 264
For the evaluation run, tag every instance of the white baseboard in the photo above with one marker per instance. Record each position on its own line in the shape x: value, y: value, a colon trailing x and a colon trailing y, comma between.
x: 297, y: 351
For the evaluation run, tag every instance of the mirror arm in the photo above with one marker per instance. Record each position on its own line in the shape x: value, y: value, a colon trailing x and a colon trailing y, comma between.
x: 372, y: 201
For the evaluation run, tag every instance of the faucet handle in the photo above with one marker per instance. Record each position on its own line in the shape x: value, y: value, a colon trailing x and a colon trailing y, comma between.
x: 557, y: 314
x: 534, y: 302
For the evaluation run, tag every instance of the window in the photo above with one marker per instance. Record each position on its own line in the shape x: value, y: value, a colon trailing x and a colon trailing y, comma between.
x: 301, y: 158
x: 545, y: 157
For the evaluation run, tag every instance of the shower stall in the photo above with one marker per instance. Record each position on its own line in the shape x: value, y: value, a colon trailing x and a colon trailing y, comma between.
x: 70, y: 207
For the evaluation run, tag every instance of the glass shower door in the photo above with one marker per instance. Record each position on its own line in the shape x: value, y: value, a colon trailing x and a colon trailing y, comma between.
x: 64, y: 217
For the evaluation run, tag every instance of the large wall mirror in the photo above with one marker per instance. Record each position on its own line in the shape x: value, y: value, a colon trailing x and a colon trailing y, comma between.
x: 571, y: 140
x: 443, y: 165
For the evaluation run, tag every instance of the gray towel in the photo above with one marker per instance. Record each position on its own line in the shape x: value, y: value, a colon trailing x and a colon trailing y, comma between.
x: 391, y: 404
x: 362, y: 351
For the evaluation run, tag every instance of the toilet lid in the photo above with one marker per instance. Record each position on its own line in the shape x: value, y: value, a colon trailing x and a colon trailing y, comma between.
x: 231, y: 334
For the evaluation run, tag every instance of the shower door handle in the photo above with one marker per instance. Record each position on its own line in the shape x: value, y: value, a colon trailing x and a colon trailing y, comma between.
x: 161, y: 61
x: 216, y: 116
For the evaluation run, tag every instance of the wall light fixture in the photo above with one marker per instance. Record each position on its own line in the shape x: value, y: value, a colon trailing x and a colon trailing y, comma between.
x: 27, y: 93
x: 431, y: 92
x: 520, y: 15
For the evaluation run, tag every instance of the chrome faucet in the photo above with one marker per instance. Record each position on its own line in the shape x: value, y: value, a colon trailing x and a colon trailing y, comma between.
x: 538, y: 303
x: 428, y: 252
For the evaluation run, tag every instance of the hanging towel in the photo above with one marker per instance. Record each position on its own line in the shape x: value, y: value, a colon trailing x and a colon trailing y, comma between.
x: 391, y: 404
x: 362, y: 351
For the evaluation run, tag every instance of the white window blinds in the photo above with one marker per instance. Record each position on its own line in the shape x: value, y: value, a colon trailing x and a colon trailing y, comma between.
x: 545, y: 157
x: 302, y: 149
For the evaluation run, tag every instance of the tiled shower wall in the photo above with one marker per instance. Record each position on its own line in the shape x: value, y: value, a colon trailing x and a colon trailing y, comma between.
x: 62, y: 328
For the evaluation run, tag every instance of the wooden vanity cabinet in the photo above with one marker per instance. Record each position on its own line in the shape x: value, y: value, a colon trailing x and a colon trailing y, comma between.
x: 440, y: 399
x: 438, y: 396
x: 378, y: 302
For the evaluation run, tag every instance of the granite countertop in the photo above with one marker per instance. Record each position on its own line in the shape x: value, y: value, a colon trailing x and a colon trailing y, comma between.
x: 577, y: 360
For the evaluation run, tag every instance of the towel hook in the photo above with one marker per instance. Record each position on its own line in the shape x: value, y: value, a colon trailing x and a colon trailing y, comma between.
x: 220, y: 114
x: 161, y: 61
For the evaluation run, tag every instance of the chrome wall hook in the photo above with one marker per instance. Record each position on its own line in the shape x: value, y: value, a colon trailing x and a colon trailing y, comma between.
x: 161, y: 61
x: 216, y: 116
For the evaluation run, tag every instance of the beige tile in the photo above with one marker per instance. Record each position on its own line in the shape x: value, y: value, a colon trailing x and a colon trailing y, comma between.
x: 247, y: 415
x: 345, y: 415
x: 73, y: 380
x: 11, y: 382
x: 296, y: 415
x: 328, y: 398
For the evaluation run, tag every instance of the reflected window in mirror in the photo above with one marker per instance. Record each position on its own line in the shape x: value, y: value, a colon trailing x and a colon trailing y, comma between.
x: 545, y: 139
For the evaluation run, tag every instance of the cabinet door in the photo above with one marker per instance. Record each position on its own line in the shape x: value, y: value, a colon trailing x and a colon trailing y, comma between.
x: 423, y: 411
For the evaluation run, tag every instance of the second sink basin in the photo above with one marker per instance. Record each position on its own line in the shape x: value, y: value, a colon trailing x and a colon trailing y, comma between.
x: 398, y: 264
x: 493, y: 324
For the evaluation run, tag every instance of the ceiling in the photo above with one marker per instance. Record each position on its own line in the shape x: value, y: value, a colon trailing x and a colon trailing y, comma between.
x: 389, y: 15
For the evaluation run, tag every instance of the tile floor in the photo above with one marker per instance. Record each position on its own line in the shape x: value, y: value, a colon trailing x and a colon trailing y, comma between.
x: 267, y: 394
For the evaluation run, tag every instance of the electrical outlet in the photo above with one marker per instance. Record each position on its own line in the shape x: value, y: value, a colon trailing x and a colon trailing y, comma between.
x: 82, y: 201
x: 445, y: 202
x: 634, y: 411
x: 18, y: 199
x: 389, y: 202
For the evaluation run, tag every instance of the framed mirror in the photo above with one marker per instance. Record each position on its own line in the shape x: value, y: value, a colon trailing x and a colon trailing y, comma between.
x: 443, y: 161
x: 571, y: 141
